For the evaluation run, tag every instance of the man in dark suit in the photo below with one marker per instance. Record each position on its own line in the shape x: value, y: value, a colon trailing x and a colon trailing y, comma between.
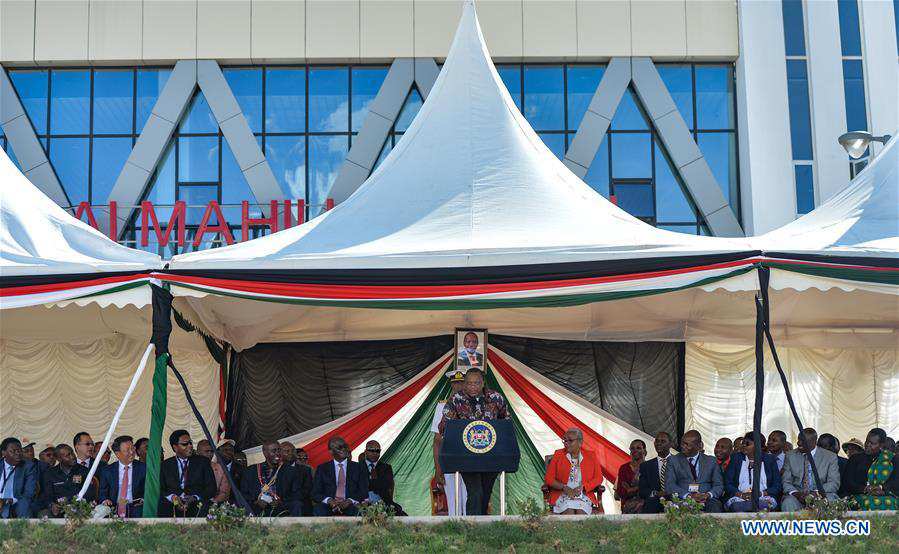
x: 340, y: 484
x: 380, y: 477
x: 122, y: 482
x: 186, y: 481
x: 696, y: 475
x: 226, y: 450
x: 273, y: 488
x: 18, y: 481
x: 63, y: 482
x: 653, y: 474
x: 84, y: 450
x: 468, y: 355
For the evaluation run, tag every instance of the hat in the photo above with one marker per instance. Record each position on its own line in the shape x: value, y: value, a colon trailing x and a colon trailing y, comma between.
x: 456, y: 375
x: 24, y: 446
x: 854, y: 441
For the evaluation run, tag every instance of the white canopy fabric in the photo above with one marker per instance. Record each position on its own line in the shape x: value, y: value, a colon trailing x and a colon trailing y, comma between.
x: 860, y: 221
x: 469, y: 184
x: 47, y: 256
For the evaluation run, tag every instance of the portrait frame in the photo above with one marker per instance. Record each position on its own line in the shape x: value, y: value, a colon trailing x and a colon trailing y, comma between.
x: 463, y: 359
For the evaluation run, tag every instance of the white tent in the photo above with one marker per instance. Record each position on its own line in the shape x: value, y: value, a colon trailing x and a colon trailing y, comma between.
x: 75, y: 319
x: 469, y: 211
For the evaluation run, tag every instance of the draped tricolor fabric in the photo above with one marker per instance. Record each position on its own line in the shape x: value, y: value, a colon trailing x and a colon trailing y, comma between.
x: 542, y: 411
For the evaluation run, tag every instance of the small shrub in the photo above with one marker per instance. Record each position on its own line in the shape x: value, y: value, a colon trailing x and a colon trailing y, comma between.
x: 823, y: 508
x: 532, y: 512
x: 225, y: 516
x: 682, y: 515
x: 378, y: 514
x: 77, y: 512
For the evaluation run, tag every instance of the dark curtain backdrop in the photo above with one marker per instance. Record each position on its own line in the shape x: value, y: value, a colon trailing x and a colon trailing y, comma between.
x: 638, y: 382
x: 280, y: 389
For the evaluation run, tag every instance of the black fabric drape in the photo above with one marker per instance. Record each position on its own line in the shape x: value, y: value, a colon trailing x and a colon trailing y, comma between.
x: 637, y: 382
x: 287, y: 388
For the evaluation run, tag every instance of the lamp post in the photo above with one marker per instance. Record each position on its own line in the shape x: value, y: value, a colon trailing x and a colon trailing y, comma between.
x: 856, y: 142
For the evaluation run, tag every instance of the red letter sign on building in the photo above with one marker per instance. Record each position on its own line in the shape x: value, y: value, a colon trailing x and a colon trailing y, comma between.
x: 146, y: 209
x: 221, y: 225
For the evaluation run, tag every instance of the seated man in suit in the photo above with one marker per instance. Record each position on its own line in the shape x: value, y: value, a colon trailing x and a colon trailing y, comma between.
x: 740, y: 473
x: 63, y: 481
x: 830, y: 442
x: 273, y: 488
x: 798, y: 479
x: 18, y: 481
x: 122, y: 482
x: 340, y: 484
x: 777, y: 443
x: 380, y: 477
x: 653, y: 475
x: 186, y: 481
x: 695, y: 475
x: 84, y: 450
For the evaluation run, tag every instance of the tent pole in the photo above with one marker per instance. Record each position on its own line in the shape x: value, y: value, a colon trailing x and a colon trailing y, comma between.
x: 764, y: 282
x: 759, y: 396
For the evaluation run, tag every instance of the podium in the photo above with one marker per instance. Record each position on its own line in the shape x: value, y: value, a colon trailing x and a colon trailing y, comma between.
x: 483, y: 446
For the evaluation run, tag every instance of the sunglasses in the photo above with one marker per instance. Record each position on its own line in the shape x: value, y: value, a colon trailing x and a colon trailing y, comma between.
x: 188, y: 443
x: 89, y: 443
x: 376, y: 450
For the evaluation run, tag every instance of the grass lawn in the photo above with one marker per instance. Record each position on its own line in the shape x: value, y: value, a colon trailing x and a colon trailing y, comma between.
x: 702, y: 535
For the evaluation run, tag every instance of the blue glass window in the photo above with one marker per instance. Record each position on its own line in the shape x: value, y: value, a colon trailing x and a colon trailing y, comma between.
x: 672, y: 204
x: 32, y: 89
x: 544, y: 97
x: 69, y: 157
x: 246, y: 84
x: 555, y: 142
x: 199, y: 117
x: 678, y: 80
x: 720, y: 152
x: 113, y: 102
x: 800, y: 116
x: 636, y: 199
x: 287, y: 158
x: 70, y: 94
x: 631, y: 155
x: 235, y: 189
x: 850, y: 34
x: 109, y: 155
x: 805, y: 189
x: 150, y: 83
x: 410, y: 109
x: 326, y: 153
x: 285, y: 100
x: 366, y: 83
x: 162, y: 188
x: 198, y: 159
x: 854, y: 88
x: 629, y: 116
x: 714, y: 97
x: 511, y: 76
x: 598, y: 174
x: 794, y: 28
x: 582, y: 83
x: 329, y: 99
x: 199, y: 197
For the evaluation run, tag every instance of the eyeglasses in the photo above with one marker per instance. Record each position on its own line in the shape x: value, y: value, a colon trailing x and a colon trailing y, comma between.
x: 566, y: 440
x: 188, y: 443
x: 88, y: 443
x: 375, y: 450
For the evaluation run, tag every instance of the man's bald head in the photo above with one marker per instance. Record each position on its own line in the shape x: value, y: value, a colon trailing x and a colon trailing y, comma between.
x: 691, y: 443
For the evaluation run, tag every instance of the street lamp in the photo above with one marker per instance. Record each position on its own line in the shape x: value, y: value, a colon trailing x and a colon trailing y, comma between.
x: 856, y: 142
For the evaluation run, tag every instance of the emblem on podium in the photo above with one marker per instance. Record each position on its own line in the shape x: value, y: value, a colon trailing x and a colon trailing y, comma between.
x: 479, y: 437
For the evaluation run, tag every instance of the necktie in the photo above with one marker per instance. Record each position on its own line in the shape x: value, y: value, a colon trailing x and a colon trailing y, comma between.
x: 123, y: 494
x: 805, y: 471
x: 693, y: 468
x: 663, y: 472
x: 341, y: 482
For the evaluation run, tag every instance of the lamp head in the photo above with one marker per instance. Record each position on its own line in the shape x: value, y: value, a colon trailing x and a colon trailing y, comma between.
x: 856, y: 142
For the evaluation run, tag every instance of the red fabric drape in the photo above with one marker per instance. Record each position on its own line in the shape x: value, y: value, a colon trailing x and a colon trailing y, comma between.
x: 610, y: 457
x: 364, y: 424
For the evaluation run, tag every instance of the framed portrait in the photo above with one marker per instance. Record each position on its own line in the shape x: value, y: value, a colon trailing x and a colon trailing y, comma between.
x: 471, y: 348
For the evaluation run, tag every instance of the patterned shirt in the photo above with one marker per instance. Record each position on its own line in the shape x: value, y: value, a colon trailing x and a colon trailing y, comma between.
x: 490, y: 405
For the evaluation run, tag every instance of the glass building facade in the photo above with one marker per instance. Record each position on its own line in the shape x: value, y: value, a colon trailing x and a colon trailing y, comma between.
x: 305, y: 118
x: 800, y: 106
x: 853, y: 74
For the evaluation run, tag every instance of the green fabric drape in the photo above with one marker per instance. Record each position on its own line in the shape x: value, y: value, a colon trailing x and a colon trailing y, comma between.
x: 411, y: 455
x: 154, y: 448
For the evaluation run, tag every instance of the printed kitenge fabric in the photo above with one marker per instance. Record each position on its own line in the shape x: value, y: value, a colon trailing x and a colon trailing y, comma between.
x: 878, y: 474
x: 490, y: 405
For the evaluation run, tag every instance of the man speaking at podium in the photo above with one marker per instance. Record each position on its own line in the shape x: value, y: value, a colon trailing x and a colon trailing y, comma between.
x: 475, y: 401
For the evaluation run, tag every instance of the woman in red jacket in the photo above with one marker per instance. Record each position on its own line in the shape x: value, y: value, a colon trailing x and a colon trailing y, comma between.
x: 573, y: 476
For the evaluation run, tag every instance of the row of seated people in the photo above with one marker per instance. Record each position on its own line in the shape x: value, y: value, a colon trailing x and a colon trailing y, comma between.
x: 787, y: 480
x: 191, y: 480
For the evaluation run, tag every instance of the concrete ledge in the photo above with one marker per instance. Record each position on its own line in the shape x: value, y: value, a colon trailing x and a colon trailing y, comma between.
x: 476, y: 520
